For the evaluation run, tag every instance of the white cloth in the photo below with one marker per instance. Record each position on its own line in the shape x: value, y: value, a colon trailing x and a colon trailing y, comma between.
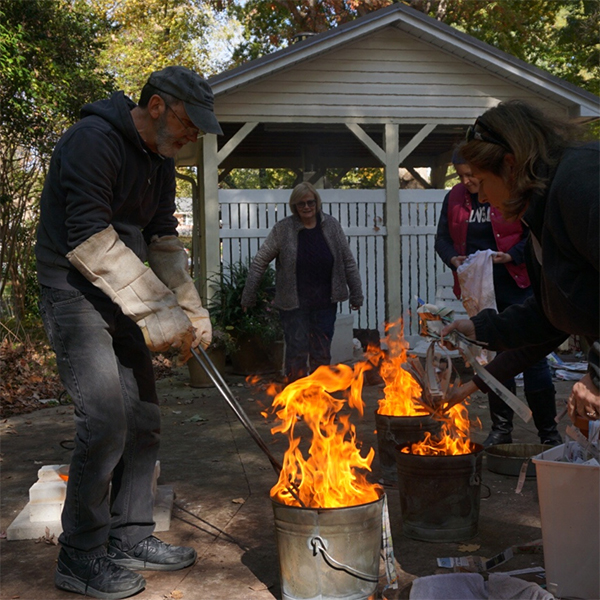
x: 450, y: 586
x: 476, y: 280
x: 472, y: 586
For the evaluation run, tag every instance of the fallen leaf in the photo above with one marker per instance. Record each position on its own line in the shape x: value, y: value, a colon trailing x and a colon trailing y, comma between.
x: 176, y: 595
x: 47, y: 538
x: 196, y: 419
x: 469, y: 547
x: 239, y: 501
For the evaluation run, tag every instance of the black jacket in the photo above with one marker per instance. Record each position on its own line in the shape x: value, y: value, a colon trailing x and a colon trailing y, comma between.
x: 102, y: 173
x: 565, y: 229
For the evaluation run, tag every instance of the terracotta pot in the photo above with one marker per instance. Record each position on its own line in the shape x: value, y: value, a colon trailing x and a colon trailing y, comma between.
x: 198, y: 376
x: 253, y: 357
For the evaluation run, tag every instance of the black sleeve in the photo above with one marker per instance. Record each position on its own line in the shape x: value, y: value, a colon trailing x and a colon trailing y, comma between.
x: 516, y: 326
x: 507, y: 365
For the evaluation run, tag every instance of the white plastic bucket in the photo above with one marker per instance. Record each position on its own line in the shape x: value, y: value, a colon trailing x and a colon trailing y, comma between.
x: 569, y: 496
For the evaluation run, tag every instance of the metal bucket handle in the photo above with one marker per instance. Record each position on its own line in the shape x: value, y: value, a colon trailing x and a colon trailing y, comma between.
x: 474, y: 479
x: 319, y: 544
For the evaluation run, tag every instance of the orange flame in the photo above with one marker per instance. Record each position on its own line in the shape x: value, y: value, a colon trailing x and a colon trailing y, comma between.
x: 452, y: 440
x: 329, y: 477
x: 401, y: 390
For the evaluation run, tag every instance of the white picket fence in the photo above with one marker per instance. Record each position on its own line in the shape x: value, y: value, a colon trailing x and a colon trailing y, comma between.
x: 248, y: 215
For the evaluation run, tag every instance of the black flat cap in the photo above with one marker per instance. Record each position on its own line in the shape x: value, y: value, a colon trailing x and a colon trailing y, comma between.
x: 194, y: 91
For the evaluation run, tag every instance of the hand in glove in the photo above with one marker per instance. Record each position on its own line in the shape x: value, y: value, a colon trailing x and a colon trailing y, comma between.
x: 168, y: 260
x: 111, y: 266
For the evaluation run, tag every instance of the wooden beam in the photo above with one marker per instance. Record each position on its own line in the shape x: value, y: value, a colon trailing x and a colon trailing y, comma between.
x: 416, y: 140
x: 362, y: 135
x: 335, y: 179
x: 223, y: 174
x: 418, y: 177
x: 234, y: 141
x: 316, y: 176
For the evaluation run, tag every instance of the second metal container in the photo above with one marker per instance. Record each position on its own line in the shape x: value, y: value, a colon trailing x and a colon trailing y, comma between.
x: 399, y: 431
x: 440, y: 495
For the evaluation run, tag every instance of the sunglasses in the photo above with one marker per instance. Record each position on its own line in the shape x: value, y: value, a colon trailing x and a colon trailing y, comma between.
x: 308, y: 203
x: 487, y: 135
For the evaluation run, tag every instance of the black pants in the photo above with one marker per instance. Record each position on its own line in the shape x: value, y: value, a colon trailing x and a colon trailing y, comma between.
x: 308, y: 334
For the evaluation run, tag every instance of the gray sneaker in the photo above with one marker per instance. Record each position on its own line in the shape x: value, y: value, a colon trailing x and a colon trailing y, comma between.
x: 96, y: 577
x: 151, y: 554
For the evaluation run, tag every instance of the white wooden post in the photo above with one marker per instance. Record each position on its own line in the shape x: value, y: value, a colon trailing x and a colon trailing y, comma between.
x: 392, y: 222
x: 208, y: 213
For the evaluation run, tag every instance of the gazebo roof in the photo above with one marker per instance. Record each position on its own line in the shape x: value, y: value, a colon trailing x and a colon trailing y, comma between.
x: 428, y: 30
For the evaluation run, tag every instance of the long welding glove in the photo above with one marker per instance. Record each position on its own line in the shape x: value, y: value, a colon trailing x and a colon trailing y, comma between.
x: 110, y: 265
x: 168, y: 259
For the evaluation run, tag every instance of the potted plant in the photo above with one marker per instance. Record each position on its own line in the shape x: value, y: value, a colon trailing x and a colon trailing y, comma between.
x: 220, y: 347
x: 256, y: 332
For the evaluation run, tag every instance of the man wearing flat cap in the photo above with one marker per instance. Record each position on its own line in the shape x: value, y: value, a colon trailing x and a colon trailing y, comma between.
x: 108, y: 207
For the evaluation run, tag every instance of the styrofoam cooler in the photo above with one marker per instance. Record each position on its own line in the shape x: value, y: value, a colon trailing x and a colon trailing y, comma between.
x: 569, y: 496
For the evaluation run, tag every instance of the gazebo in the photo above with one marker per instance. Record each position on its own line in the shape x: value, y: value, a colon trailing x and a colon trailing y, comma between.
x: 393, y: 89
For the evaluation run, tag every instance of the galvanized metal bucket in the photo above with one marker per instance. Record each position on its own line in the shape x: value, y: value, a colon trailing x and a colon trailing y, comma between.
x: 328, y: 553
x: 440, y: 495
x: 395, y: 431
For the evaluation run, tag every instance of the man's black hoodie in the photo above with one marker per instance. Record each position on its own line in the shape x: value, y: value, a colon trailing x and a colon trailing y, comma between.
x: 102, y: 173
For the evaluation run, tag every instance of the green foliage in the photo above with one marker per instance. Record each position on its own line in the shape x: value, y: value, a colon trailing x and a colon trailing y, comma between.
x: 222, y: 339
x: 226, y: 310
x: 257, y: 179
x: 48, y: 60
x: 559, y: 36
x: 269, y: 26
x: 363, y: 179
x: 151, y: 34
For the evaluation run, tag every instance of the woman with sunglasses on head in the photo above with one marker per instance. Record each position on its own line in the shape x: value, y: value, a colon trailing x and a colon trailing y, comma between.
x: 467, y: 225
x: 530, y: 168
x: 314, y: 270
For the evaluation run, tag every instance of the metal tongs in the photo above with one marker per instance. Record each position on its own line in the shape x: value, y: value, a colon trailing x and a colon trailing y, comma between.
x: 213, y: 373
x: 465, y: 346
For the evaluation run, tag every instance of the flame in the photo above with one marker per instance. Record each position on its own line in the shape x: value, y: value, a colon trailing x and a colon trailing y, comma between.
x: 329, y: 477
x: 401, y: 390
x: 452, y: 440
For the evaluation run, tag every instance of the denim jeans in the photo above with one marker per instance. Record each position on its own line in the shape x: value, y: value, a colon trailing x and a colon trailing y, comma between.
x: 106, y: 368
x: 308, y: 334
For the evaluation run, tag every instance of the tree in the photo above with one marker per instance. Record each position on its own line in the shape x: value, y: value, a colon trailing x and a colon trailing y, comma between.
x: 147, y: 36
x: 559, y: 36
x: 269, y: 26
x: 48, y: 60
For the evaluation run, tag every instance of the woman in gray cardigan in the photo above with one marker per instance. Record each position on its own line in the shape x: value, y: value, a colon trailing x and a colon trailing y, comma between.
x: 315, y: 270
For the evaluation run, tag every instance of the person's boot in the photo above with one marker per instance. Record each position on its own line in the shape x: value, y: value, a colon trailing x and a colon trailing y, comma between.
x: 543, y: 408
x: 96, y: 577
x: 502, y: 421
